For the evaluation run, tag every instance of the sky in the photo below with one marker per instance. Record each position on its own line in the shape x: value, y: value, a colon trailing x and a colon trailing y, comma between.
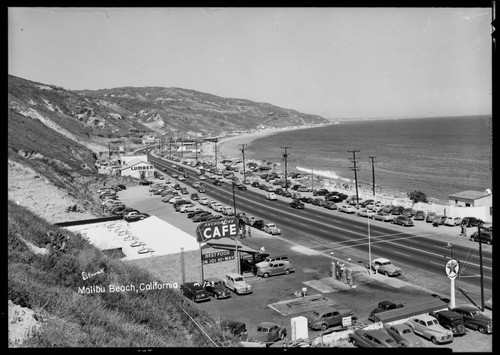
x: 332, y: 62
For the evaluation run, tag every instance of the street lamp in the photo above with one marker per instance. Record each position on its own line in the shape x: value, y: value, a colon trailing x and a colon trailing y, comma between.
x: 450, y: 246
x: 331, y: 253
x: 349, y: 261
x: 369, y: 249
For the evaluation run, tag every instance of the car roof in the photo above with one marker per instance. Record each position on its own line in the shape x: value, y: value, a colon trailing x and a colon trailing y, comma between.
x: 466, y: 307
x: 266, y: 324
x: 399, y: 326
x: 425, y: 317
x: 233, y: 274
x: 381, y: 260
x: 448, y: 313
x: 325, y: 310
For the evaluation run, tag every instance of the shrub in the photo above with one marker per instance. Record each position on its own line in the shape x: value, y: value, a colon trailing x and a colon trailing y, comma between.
x: 417, y: 196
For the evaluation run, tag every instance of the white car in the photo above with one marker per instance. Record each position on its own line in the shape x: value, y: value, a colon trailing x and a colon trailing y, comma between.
x: 366, y: 213
x: 347, y: 209
x: 175, y: 199
x: 271, y: 228
x: 271, y: 196
x: 203, y: 201
x: 227, y: 211
x: 452, y: 221
x: 217, y: 207
x: 385, y: 266
x: 186, y: 208
x: 237, y: 284
x: 428, y: 327
x: 202, y: 177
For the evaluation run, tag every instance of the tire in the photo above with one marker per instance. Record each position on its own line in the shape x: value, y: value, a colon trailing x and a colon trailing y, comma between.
x: 215, y: 296
x: 434, y: 340
x: 355, y: 343
x: 287, y: 271
x: 404, y: 344
x: 282, y: 335
x: 324, y: 327
x: 481, y: 330
x: 461, y: 328
x: 488, y: 242
x: 266, y: 275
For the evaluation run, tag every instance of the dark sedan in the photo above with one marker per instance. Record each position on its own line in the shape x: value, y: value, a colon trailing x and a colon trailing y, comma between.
x: 297, y: 204
x: 403, y: 221
x: 135, y: 217
x: 474, y: 318
x: 268, y: 332
x: 216, y: 288
x: 238, y: 329
x: 376, y: 338
x: 194, y: 291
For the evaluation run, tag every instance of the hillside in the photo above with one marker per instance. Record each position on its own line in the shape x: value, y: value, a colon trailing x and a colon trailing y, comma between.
x: 55, y: 137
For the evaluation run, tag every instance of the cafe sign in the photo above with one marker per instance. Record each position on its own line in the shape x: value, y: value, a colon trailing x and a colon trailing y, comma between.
x: 220, y: 228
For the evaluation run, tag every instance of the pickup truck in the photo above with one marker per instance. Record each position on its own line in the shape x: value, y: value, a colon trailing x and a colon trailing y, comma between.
x: 383, y: 307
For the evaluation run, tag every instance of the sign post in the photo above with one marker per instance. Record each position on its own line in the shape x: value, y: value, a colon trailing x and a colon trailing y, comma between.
x: 217, y: 229
x: 451, y: 269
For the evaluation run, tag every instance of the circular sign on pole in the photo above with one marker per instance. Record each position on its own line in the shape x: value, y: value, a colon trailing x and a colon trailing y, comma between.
x: 451, y: 268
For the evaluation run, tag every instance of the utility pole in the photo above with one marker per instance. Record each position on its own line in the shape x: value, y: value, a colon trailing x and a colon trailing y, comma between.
x: 196, y: 151
x: 215, y: 154
x: 355, y: 174
x: 182, y: 147
x: 243, y: 152
x: 373, y: 175
x: 170, y: 148
x: 285, y: 155
x: 481, y: 266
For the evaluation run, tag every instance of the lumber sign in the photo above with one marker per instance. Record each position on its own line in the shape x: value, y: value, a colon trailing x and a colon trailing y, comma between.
x: 220, y: 228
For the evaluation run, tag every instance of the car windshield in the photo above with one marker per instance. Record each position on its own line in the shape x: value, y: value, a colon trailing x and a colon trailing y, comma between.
x: 387, y: 263
x: 406, y: 331
x: 239, y: 279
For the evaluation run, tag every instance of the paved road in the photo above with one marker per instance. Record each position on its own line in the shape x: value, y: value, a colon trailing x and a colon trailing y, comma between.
x: 411, y: 248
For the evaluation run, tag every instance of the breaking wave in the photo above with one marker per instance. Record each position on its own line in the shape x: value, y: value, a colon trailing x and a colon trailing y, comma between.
x: 324, y: 173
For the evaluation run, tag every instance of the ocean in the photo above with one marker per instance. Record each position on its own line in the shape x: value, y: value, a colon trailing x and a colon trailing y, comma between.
x: 438, y: 156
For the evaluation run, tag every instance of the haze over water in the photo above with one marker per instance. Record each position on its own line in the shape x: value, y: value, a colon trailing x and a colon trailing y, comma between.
x: 438, y: 156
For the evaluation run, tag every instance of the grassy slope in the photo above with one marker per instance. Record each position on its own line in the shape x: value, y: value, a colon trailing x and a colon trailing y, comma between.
x: 48, y: 284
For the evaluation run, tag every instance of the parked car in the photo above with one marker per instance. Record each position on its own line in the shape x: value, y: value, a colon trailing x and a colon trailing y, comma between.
x: 327, y: 317
x: 439, y: 220
x: 404, y: 335
x: 268, y: 332
x: 188, y: 207
x: 195, y: 197
x: 297, y: 204
x: 452, y: 221
x: 408, y: 212
x: 383, y: 216
x: 486, y: 236
x: 259, y: 224
x: 202, y: 217
x: 474, y: 318
x: 383, y: 306
x: 203, y: 200
x: 347, y: 209
x: 215, y: 287
x: 237, y: 284
x: 306, y: 199
x: 385, y: 266
x: 419, y: 216
x: 274, y: 268
x: 241, y: 187
x: 403, y: 221
x: 269, y: 259
x: 227, y: 211
x: 397, y: 210
x: 330, y: 205
x: 238, y: 329
x: 135, y: 217
x: 430, y: 217
x: 194, y: 291
x: 247, y: 262
x: 318, y: 202
x: 428, y: 327
x: 197, y: 211
x: 271, y: 228
x: 320, y: 192
x: 271, y: 196
x: 217, y: 182
x: 375, y: 338
x: 365, y: 213
x: 366, y: 203
x: 472, y: 221
x: 201, y: 189
x: 451, y: 321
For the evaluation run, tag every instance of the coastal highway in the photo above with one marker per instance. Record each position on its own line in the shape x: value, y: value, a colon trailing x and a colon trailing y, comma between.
x: 335, y: 231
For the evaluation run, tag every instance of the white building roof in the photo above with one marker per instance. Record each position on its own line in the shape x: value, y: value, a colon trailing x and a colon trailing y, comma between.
x: 155, y: 233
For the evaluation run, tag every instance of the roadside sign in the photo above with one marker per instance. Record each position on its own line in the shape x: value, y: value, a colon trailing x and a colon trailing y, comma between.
x: 217, y: 257
x: 451, y: 268
x: 346, y: 321
x: 220, y: 228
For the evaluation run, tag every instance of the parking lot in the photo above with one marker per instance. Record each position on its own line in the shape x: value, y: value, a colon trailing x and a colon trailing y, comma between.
x: 312, y: 272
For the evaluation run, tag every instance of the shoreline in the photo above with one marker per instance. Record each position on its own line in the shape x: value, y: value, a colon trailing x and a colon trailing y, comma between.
x: 230, y: 147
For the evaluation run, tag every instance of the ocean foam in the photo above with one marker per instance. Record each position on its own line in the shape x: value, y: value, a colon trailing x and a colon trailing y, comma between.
x: 325, y: 173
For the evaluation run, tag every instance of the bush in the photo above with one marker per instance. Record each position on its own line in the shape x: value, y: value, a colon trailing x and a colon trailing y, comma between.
x: 417, y: 196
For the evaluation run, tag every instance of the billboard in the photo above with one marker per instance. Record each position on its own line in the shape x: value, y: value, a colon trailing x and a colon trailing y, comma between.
x: 216, y: 229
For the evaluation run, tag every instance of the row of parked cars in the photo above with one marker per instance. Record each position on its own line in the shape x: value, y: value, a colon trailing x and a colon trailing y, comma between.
x: 440, y: 327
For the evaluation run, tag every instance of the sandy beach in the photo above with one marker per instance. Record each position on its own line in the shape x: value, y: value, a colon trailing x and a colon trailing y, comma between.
x: 230, y: 147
